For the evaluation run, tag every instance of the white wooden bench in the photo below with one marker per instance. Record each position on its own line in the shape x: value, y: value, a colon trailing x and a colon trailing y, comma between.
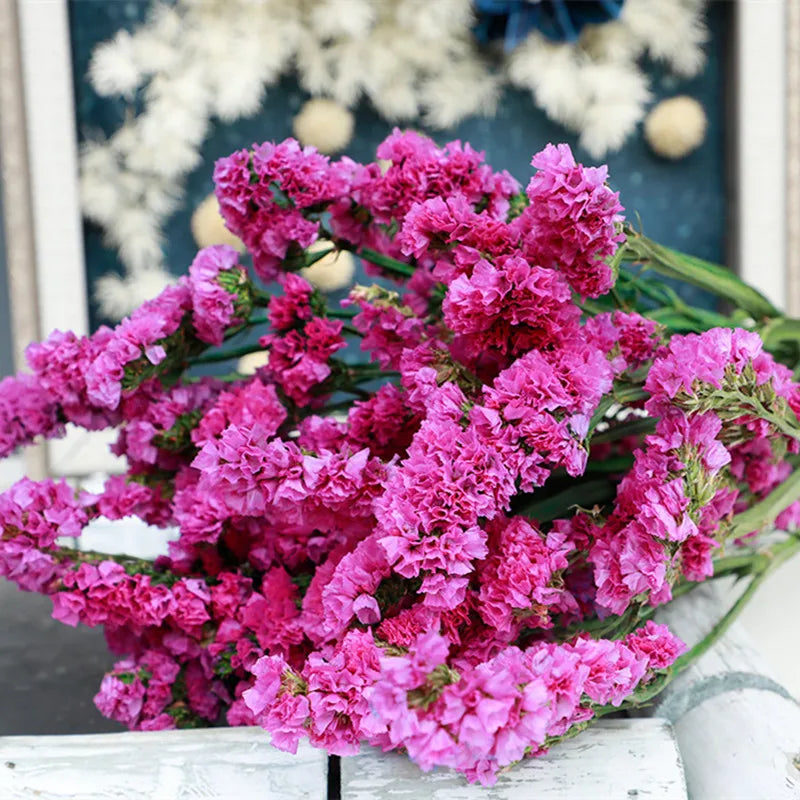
x: 620, y: 759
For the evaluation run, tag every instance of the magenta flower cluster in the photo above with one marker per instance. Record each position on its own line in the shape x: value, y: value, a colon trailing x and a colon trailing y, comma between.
x: 375, y: 551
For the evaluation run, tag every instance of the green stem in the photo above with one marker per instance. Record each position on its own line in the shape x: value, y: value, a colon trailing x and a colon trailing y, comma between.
x: 700, y: 273
x: 589, y: 306
x: 311, y: 258
x: 581, y: 495
x: 781, y: 423
x: 242, y: 328
x: 226, y: 355
x: 370, y: 366
x: 340, y: 313
x: 672, y: 305
x: 613, y: 465
x: 620, y: 303
x: 261, y: 298
x: 95, y: 557
x: 767, y: 562
x: 630, y: 427
x: 773, y: 558
x: 365, y: 377
x: 600, y: 412
x: 682, y: 588
x: 386, y: 262
x: 780, y: 330
x: 629, y: 394
x: 763, y: 513
x: 738, y: 564
x: 229, y: 377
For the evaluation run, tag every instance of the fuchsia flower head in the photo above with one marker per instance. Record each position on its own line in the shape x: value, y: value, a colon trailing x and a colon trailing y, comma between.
x: 215, y: 278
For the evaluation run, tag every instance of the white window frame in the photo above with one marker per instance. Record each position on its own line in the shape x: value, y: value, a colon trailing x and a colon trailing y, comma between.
x: 48, y: 141
x: 762, y: 97
x: 764, y: 36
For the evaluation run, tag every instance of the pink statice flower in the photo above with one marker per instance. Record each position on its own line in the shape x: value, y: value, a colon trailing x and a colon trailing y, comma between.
x: 272, y: 615
x: 699, y: 358
x: 510, y: 308
x: 628, y: 339
x: 388, y: 327
x: 27, y: 410
x: 298, y: 359
x: 657, y: 644
x: 451, y: 235
x: 157, y: 422
x: 384, y: 422
x: 124, y: 497
x: 519, y: 577
x: 60, y: 364
x: 572, y: 220
x: 340, y: 716
x: 251, y: 403
x: 350, y: 591
x: 214, y: 276
x: 121, y: 697
x: 138, y: 338
x: 293, y: 307
x: 265, y: 196
x: 420, y: 170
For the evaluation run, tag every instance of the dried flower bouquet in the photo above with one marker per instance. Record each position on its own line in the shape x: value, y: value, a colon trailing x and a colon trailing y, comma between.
x: 454, y: 544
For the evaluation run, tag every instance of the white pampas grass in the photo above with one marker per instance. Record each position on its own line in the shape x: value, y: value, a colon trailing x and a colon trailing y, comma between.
x: 351, y: 18
x: 115, y: 67
x: 616, y: 97
x: 670, y: 30
x: 467, y: 87
x: 118, y: 296
x: 595, y: 87
x: 193, y: 61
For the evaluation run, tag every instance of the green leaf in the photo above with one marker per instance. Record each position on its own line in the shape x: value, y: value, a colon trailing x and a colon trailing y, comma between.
x: 584, y: 494
x: 764, y: 512
x: 633, y: 427
x: 624, y: 394
x: 391, y: 264
x: 600, y: 412
x: 780, y: 330
x: 611, y: 465
x: 700, y: 273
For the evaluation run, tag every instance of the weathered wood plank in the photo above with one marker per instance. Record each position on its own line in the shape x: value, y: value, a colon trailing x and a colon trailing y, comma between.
x: 625, y: 759
x: 737, y: 728
x: 221, y: 763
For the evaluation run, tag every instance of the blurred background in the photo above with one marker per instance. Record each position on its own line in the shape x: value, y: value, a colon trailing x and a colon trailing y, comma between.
x: 114, y: 111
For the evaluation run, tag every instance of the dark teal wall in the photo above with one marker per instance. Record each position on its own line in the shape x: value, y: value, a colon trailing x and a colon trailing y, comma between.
x: 682, y: 203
